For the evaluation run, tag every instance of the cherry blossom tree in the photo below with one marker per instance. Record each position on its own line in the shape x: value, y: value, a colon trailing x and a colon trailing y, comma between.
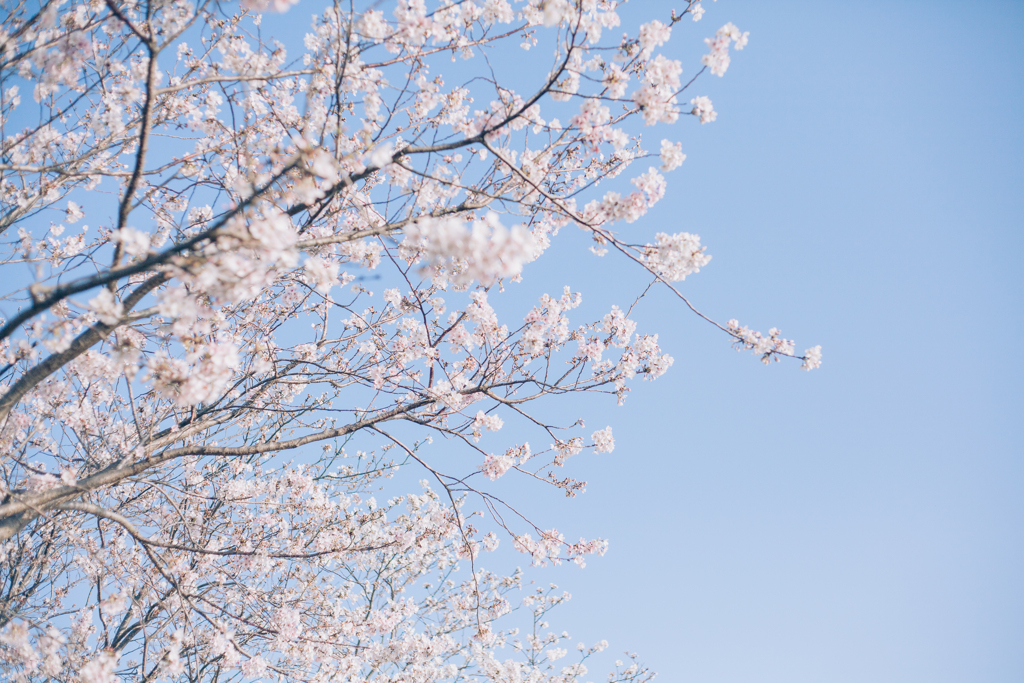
x: 202, y: 395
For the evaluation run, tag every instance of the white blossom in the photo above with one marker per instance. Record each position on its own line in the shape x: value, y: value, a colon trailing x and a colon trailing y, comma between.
x: 603, y: 441
x: 74, y: 213
x: 676, y: 256
x: 672, y: 156
x: 134, y: 242
x: 106, y: 307
x: 812, y: 358
x: 702, y: 107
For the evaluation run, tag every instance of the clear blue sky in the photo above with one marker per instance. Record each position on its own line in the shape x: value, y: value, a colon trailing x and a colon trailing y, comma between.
x: 863, y: 189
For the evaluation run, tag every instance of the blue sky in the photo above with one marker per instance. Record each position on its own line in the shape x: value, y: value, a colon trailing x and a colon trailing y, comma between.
x: 862, y: 189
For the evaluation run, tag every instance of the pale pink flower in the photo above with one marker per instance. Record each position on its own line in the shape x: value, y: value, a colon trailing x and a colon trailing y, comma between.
x: 321, y: 273
x: 100, y: 669
x: 662, y: 72
x: 288, y: 622
x: 74, y: 213
x: 134, y: 242
x: 603, y: 441
x: 482, y: 421
x: 672, y: 156
x: 254, y: 667
x: 769, y: 346
x: 106, y: 307
x: 718, y: 58
x: 676, y: 256
x: 652, y: 35
x: 702, y: 108
x: 812, y: 358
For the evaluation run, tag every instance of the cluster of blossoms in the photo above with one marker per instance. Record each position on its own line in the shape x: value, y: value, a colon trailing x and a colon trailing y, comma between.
x: 718, y: 59
x: 199, y: 377
x: 546, y: 325
x: 703, y: 109
x: 497, y: 465
x: 630, y: 208
x: 546, y: 549
x: 203, y: 401
x: 491, y: 423
x: 772, y: 346
x: 656, y: 97
x: 672, y: 156
x: 812, y: 358
x: 603, y: 441
x: 676, y: 256
x: 769, y: 347
x: 482, y: 251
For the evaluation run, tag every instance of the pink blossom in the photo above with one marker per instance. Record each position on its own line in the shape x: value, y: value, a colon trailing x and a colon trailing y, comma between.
x: 812, y: 358
x: 482, y: 250
x: 603, y: 441
x: 718, y: 59
x: 676, y: 256
x: 323, y: 274
x: 482, y: 421
x: 653, y: 35
x: 770, y: 346
x: 702, y: 108
x: 74, y: 213
x: 106, y: 307
x: 672, y: 156
x: 100, y: 669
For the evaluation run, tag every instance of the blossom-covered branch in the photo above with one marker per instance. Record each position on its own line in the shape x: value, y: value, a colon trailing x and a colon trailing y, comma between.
x: 252, y: 277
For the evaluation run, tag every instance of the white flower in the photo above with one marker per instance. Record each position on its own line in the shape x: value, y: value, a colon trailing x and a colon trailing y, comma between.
x: 672, y: 156
x: 702, y: 108
x: 306, y: 352
x: 482, y: 421
x: 74, y: 213
x: 117, y: 602
x: 616, y: 80
x: 662, y: 72
x: 100, y: 669
x: 653, y: 34
x: 812, y: 358
x: 173, y: 665
x: 134, y: 242
x: 373, y: 26
x: 718, y: 59
x: 16, y: 637
x: 254, y: 667
x: 603, y: 441
x: 288, y: 623
x: 769, y: 346
x: 482, y: 250
x: 619, y: 326
x: 272, y: 5
x: 321, y: 273
x: 497, y: 465
x: 215, y: 366
x: 676, y: 256
x: 498, y: 11
x: 381, y: 155
x: 108, y: 309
